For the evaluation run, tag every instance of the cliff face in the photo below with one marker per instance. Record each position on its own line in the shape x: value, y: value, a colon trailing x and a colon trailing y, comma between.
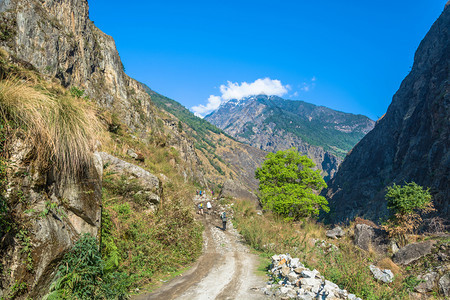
x: 48, y: 215
x: 272, y: 124
x: 410, y: 143
x: 59, y: 40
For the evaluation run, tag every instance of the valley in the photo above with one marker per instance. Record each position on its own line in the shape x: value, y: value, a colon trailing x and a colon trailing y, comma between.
x: 101, y: 176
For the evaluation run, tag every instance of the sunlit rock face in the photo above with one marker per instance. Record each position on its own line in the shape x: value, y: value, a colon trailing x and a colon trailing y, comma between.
x: 410, y: 143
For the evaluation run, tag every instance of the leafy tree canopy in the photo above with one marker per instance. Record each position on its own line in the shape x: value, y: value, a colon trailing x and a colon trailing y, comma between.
x: 289, y: 186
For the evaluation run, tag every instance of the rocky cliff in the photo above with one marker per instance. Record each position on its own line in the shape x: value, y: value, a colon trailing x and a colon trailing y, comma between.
x: 410, y: 143
x: 58, y: 39
x: 272, y: 124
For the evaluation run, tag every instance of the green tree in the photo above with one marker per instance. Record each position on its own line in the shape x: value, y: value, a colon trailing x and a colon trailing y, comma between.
x: 289, y: 186
x: 407, y: 203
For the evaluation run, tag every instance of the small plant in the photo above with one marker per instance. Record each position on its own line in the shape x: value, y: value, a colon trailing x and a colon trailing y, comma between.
x: 26, y: 247
x: 76, y: 92
x: 407, y: 203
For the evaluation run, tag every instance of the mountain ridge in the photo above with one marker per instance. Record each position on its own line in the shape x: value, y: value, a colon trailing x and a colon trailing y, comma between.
x: 272, y: 123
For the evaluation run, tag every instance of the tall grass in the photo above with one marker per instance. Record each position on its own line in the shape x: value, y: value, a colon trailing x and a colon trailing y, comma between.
x: 62, y: 129
x: 347, y: 267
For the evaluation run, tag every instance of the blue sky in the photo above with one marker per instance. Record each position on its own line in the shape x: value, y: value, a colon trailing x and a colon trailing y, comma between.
x: 347, y: 55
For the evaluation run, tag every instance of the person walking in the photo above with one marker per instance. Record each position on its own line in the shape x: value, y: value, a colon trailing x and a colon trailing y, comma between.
x: 200, y: 208
x: 223, y: 216
x: 209, y: 206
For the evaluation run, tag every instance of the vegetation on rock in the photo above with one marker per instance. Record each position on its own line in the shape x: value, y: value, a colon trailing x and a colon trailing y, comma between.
x: 289, y: 186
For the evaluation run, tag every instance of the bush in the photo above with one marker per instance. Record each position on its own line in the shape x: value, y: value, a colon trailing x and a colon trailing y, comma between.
x: 82, y: 275
x: 406, y: 202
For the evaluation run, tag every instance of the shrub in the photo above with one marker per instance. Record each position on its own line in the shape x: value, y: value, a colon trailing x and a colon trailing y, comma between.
x: 81, y: 275
x: 406, y: 202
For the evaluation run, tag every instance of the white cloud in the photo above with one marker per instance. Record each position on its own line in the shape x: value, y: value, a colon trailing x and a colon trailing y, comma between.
x: 234, y: 90
x: 202, y: 110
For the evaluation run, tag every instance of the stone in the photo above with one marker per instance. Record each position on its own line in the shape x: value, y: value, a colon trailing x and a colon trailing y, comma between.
x: 294, y: 263
x: 444, y: 285
x: 428, y: 283
x: 363, y: 236
x: 335, y: 233
x: 412, y: 252
x: 285, y: 271
x: 132, y: 153
x: 292, y: 277
x: 385, y: 275
x: 351, y: 296
x: 309, y: 274
x: 310, y: 284
x: 299, y: 270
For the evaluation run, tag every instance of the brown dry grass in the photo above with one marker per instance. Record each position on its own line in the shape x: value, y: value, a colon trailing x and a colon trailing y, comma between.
x: 62, y: 129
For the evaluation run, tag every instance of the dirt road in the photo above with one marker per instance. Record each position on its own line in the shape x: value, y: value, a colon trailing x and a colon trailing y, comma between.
x: 226, y: 270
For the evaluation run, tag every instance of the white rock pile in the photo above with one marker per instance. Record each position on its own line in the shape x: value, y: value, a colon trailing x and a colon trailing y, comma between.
x: 290, y: 279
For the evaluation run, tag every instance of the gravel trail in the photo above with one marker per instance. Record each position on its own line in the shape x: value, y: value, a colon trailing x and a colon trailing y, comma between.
x: 226, y: 269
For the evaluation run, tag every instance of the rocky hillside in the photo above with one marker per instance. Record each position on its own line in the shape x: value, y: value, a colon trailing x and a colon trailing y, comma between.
x: 410, y: 143
x: 228, y: 158
x: 271, y: 123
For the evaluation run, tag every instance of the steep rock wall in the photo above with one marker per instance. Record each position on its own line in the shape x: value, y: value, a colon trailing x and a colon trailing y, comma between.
x: 48, y: 215
x: 410, y: 143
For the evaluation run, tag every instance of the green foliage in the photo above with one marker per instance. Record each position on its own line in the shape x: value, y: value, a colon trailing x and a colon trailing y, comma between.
x: 407, y: 203
x: 289, y: 186
x: 408, y: 198
x: 76, y: 92
x: 82, y: 275
x: 26, y: 247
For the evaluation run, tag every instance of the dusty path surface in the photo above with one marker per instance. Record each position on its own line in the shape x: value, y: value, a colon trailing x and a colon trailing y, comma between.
x: 226, y: 269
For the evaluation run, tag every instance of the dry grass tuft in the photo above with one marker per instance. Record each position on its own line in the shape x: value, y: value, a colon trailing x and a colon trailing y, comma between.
x: 387, y: 263
x: 62, y: 129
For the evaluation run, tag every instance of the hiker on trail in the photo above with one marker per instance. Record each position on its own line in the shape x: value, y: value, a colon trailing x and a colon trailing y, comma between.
x: 209, y: 206
x: 200, y: 208
x: 197, y: 192
x: 223, y: 216
x: 200, y: 193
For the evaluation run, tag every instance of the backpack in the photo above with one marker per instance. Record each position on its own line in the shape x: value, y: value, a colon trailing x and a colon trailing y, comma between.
x: 224, y: 217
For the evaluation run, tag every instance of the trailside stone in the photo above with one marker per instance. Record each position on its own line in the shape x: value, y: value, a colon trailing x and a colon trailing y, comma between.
x: 292, y: 277
x: 385, y: 275
x: 285, y: 271
x: 428, y: 282
x: 444, y: 285
x: 295, y: 262
x: 412, y: 252
x: 363, y: 236
x: 335, y: 233
x: 299, y: 270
